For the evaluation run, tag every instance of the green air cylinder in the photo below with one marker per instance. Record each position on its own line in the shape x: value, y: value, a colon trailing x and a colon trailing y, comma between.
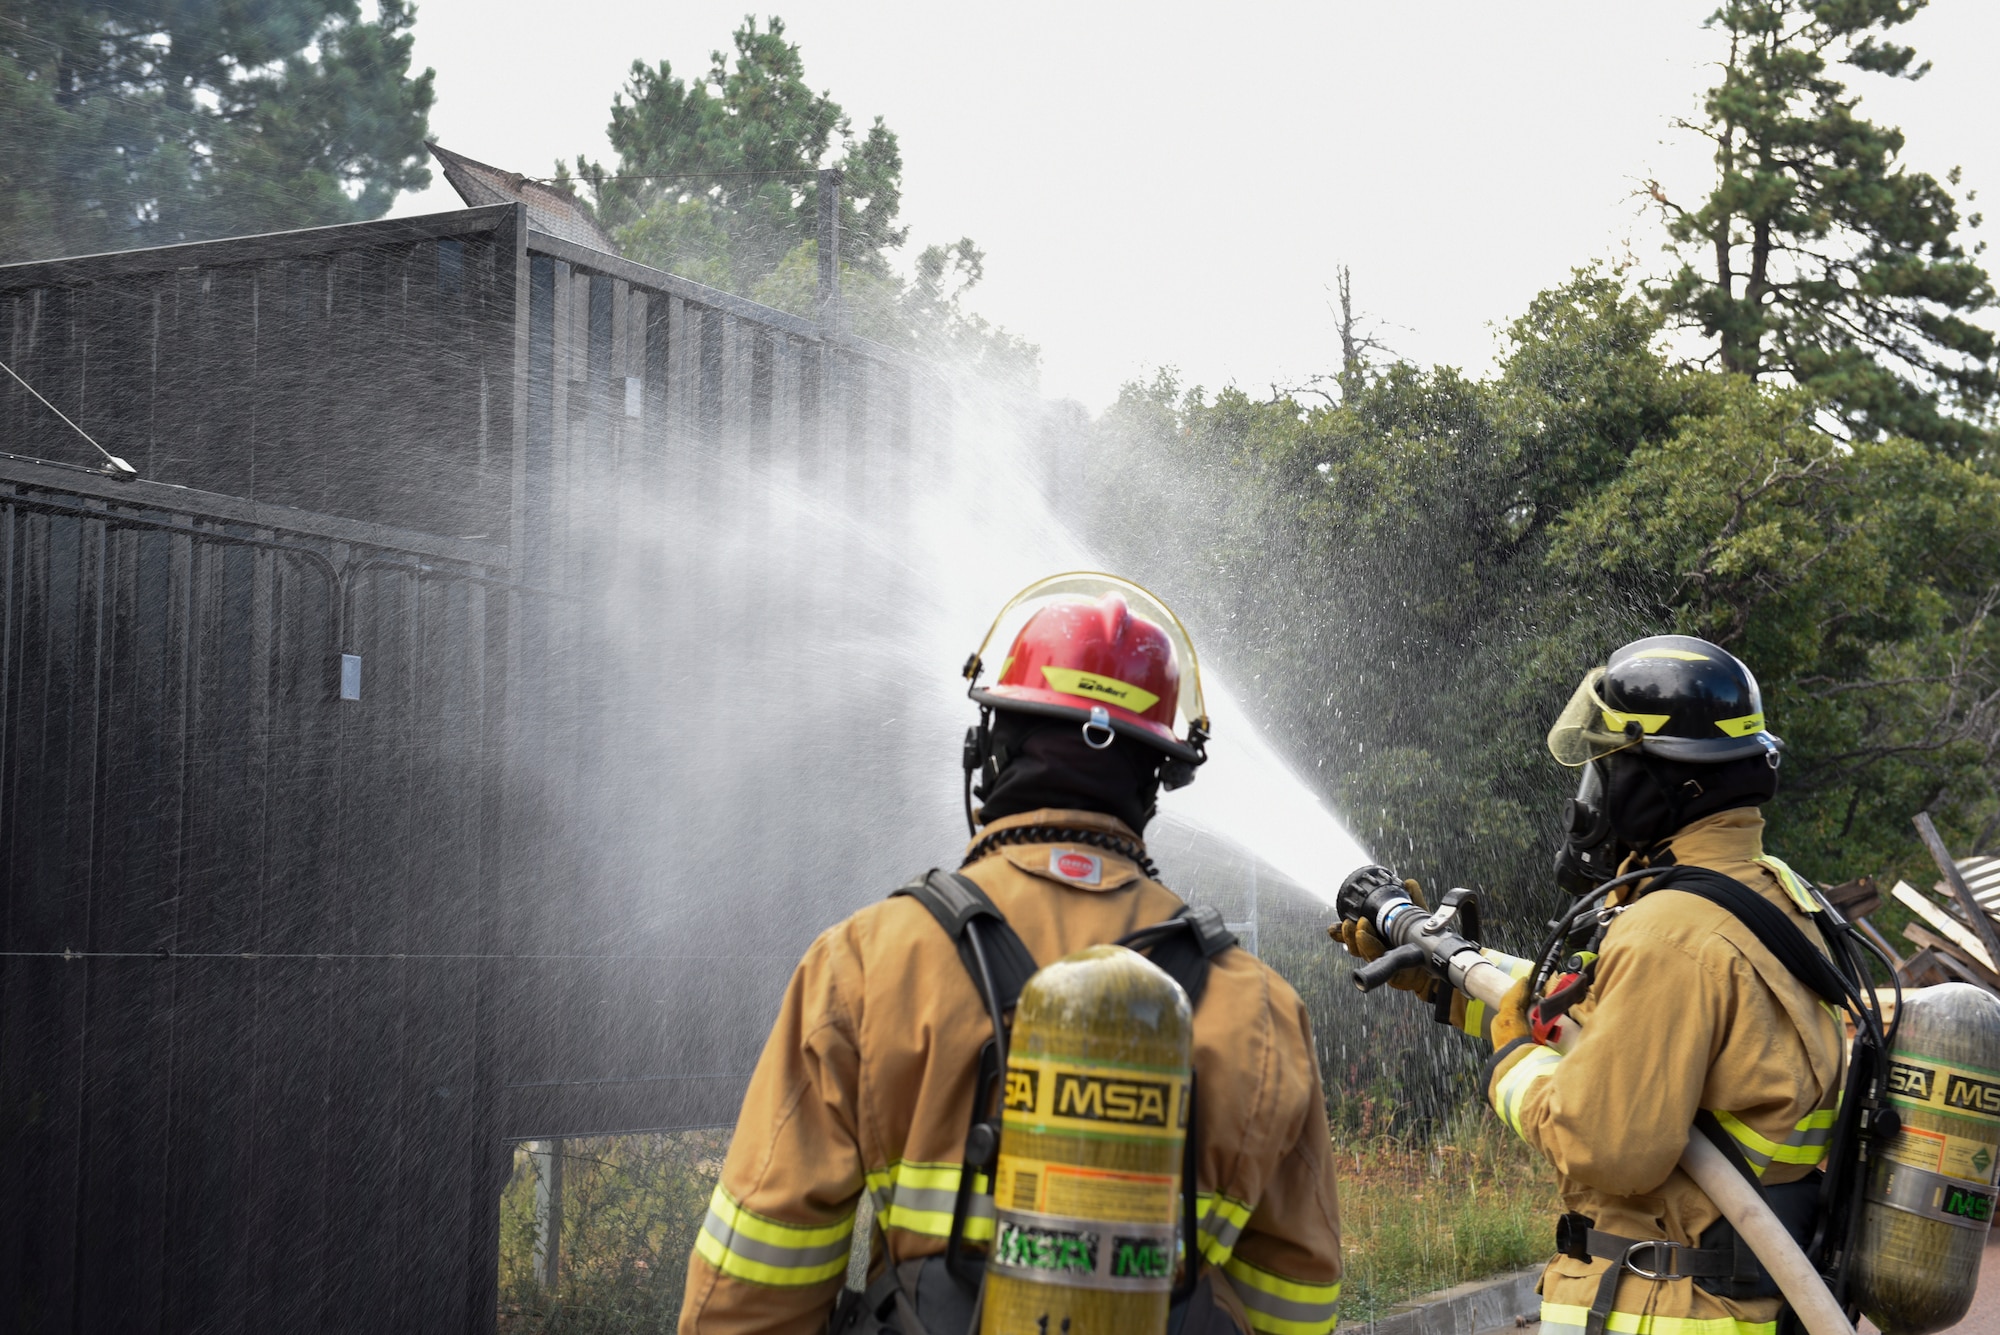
x: 1930, y: 1191
x: 1087, y: 1188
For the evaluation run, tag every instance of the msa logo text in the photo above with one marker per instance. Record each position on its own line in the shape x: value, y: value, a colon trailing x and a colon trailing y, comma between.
x: 1980, y: 1096
x: 1020, y: 1091
x: 1976, y: 1206
x: 1913, y: 1082
x: 1124, y: 1101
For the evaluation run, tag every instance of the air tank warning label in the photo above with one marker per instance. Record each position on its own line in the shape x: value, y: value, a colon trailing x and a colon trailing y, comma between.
x: 1961, y: 1157
x: 1042, y: 1187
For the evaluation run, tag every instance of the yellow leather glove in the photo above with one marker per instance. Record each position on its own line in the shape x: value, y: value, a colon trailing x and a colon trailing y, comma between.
x: 1510, y: 1017
x: 1510, y: 1027
x: 1361, y: 942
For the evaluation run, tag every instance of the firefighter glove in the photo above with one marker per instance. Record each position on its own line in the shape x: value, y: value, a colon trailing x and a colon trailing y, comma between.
x: 1510, y: 1017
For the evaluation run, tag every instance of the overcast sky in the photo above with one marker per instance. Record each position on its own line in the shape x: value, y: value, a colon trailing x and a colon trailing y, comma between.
x: 1159, y: 185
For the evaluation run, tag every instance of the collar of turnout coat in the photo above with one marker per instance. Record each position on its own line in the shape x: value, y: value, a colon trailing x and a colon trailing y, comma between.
x: 1076, y: 866
x: 1722, y: 840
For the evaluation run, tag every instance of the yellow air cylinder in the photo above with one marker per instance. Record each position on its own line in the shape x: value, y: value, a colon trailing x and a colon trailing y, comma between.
x: 1930, y: 1192
x: 1087, y: 1188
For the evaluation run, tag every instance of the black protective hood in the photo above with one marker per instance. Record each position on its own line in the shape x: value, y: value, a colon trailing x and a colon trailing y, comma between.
x: 1649, y: 799
x: 1047, y: 763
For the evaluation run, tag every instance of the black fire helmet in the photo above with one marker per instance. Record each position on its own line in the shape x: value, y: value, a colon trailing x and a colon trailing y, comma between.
x: 1672, y: 696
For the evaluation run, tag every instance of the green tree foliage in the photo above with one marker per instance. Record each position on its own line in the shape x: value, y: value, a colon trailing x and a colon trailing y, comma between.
x: 717, y: 180
x: 153, y: 122
x: 1858, y: 581
x: 1410, y: 581
x: 717, y: 176
x: 928, y: 313
x: 1817, y: 255
x: 632, y: 1207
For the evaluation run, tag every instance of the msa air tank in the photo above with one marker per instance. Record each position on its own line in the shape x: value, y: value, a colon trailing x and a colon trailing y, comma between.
x: 1929, y: 1200
x: 1087, y: 1187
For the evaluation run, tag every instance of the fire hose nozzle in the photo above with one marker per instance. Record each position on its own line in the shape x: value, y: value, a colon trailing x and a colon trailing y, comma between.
x: 1443, y: 941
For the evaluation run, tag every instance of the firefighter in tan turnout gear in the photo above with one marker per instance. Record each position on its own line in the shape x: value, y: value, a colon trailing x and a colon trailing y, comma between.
x: 1685, y: 1014
x: 866, y: 1086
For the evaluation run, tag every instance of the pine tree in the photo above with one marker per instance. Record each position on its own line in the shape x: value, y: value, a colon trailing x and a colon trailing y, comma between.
x: 715, y: 175
x: 1818, y: 256
x: 149, y: 122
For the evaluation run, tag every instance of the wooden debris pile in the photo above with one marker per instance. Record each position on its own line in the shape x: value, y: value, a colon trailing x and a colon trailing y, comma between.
x: 1956, y: 931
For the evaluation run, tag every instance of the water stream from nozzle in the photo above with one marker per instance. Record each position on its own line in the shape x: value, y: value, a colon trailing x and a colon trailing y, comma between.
x: 1248, y: 795
x: 783, y: 739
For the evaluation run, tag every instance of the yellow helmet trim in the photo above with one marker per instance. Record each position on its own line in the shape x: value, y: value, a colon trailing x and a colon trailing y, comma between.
x: 1684, y: 655
x: 1741, y: 727
x: 1616, y: 720
x: 1097, y: 686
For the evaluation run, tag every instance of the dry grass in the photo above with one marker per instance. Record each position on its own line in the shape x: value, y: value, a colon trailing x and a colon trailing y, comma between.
x: 1416, y: 1216
x: 631, y: 1208
x: 1420, y: 1217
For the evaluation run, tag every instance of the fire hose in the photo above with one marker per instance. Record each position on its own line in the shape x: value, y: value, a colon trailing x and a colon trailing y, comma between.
x: 1438, y: 942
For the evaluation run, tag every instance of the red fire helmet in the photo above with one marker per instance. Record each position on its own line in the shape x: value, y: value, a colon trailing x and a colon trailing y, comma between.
x: 1103, y: 651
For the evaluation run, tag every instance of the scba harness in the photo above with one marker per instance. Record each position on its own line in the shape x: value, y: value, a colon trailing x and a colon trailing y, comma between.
x: 940, y: 1295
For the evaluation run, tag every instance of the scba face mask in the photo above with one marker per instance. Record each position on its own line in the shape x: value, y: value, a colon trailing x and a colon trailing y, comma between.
x: 1589, y: 853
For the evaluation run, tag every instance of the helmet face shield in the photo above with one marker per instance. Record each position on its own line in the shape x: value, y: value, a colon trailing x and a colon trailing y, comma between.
x: 1093, y: 645
x: 1588, y: 729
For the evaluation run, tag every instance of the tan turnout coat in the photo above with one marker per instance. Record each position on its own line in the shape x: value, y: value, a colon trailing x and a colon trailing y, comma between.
x: 1688, y: 1011
x: 866, y: 1082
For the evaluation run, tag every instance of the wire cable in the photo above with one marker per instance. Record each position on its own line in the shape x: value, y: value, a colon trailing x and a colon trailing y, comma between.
x: 113, y: 465
x: 1129, y: 849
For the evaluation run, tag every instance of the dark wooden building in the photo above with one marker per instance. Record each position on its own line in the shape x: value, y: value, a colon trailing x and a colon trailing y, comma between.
x: 385, y: 775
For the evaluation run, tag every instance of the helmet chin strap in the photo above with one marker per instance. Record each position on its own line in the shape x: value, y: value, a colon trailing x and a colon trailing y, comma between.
x: 976, y: 755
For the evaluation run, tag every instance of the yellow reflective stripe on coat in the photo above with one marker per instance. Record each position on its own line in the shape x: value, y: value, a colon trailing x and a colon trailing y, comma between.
x: 1280, y: 1306
x: 1513, y: 1086
x: 1795, y: 884
x: 1475, y: 1009
x: 761, y: 1250
x: 1565, y: 1319
x: 919, y: 1197
x: 1805, y: 1145
x: 1219, y: 1222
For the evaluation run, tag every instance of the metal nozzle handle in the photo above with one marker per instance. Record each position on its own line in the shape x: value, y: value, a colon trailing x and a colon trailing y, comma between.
x: 1386, y: 966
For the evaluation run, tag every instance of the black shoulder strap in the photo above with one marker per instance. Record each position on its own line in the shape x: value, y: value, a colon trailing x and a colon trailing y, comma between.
x: 1184, y: 946
x: 955, y: 901
x: 1766, y: 921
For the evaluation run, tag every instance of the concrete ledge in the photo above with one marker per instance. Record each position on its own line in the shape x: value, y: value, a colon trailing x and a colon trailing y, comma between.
x: 1477, y: 1305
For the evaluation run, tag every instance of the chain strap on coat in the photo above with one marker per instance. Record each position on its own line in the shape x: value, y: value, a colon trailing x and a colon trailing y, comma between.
x: 1130, y: 849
